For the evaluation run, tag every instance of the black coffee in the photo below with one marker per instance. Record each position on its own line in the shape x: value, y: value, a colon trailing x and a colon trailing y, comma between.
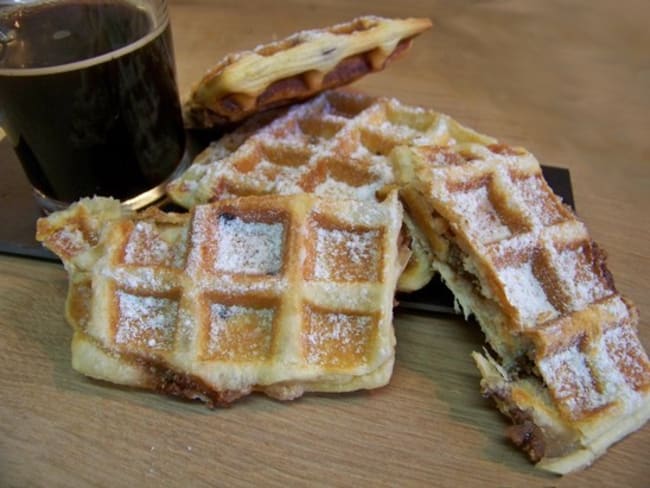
x: 118, y: 115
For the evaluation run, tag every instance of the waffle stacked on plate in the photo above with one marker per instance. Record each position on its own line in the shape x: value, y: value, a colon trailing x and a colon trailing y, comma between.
x: 297, y: 67
x: 335, y: 145
x: 275, y: 294
x: 571, y: 372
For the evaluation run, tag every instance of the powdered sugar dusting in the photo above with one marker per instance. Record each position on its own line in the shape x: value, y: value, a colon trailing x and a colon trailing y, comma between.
x: 143, y: 278
x: 479, y: 215
x: 147, y: 319
x: 146, y: 247
x: 333, y: 128
x: 613, y: 368
x: 239, y: 333
x: 249, y: 247
x: 337, y: 339
x: 338, y: 189
x: 525, y: 293
x: 629, y: 359
x: 575, y: 271
x: 616, y: 308
x: 541, y: 204
x: 571, y: 382
x: 342, y: 255
x: 223, y: 331
x: 70, y: 241
x: 201, y: 235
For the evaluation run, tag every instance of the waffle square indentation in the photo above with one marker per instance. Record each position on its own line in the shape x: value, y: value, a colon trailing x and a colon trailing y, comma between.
x: 539, y: 199
x: 572, y: 382
x: 575, y: 268
x: 319, y: 129
x: 343, y: 254
x: 249, y: 247
x: 479, y: 215
x: 343, y: 105
x: 337, y: 339
x: 147, y: 246
x: 286, y: 155
x: 145, y: 321
x: 526, y: 294
x: 239, y: 333
x: 622, y: 346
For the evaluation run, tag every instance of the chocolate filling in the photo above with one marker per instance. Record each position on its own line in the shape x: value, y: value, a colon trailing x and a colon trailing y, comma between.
x: 187, y: 386
x: 526, y: 435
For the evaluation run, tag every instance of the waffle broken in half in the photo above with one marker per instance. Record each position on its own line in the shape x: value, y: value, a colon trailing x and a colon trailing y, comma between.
x: 569, y: 369
x: 280, y: 295
x: 297, y: 68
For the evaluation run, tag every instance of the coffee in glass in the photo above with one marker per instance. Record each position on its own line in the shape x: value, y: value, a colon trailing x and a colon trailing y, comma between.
x: 88, y: 98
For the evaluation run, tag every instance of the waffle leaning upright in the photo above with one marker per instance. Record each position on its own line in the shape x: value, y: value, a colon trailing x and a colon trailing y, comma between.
x: 296, y: 68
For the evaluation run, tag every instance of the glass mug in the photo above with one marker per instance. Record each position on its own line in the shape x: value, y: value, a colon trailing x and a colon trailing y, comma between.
x: 88, y: 98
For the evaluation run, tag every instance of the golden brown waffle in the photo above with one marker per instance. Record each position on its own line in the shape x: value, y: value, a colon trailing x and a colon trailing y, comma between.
x: 337, y: 145
x: 275, y: 294
x: 297, y: 68
x: 571, y: 372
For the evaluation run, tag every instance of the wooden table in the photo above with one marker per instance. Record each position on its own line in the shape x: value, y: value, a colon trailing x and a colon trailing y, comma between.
x: 568, y: 80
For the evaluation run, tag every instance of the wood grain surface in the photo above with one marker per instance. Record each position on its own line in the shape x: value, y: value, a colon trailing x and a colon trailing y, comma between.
x: 568, y: 80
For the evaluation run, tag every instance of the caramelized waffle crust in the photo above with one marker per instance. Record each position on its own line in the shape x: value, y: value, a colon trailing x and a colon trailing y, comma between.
x: 570, y: 371
x: 337, y: 145
x: 277, y: 294
x: 297, y: 68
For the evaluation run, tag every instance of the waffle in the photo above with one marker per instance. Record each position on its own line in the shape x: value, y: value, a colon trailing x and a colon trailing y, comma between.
x: 276, y: 294
x: 569, y: 369
x: 296, y: 68
x: 337, y: 145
